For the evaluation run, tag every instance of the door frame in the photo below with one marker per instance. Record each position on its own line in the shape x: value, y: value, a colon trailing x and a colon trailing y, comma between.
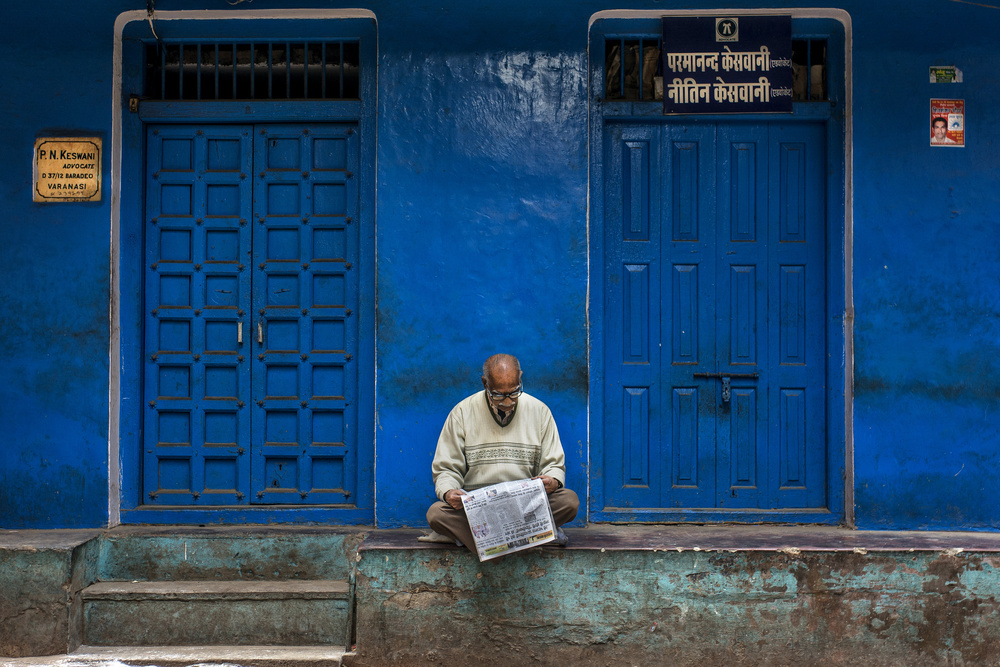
x: 128, y: 159
x: 835, y: 25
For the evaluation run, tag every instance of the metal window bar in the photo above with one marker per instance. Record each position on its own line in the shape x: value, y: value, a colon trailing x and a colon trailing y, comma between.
x: 631, y: 64
x: 809, y: 70
x: 340, y: 65
x: 197, y: 66
x: 216, y: 73
x: 249, y: 70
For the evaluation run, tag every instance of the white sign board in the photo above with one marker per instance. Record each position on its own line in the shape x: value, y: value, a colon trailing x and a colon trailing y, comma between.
x: 67, y: 169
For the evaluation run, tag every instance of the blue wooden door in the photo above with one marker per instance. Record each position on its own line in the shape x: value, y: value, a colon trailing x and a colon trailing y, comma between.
x: 304, y: 294
x: 250, y: 390
x: 714, y: 333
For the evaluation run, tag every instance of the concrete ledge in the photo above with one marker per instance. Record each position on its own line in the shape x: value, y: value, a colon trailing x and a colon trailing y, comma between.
x: 637, y: 537
x: 685, y: 595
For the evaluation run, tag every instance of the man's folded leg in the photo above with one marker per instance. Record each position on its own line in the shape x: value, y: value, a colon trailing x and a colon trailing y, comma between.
x: 565, y: 504
x: 448, y: 521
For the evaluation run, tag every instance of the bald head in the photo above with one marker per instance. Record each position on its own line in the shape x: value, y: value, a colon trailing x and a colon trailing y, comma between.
x: 502, y: 369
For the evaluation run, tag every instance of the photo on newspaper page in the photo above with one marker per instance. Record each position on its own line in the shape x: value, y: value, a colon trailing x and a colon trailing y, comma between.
x: 509, y: 517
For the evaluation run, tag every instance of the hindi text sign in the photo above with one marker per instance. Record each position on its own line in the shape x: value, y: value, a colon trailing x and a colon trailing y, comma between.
x: 737, y: 64
x: 67, y: 169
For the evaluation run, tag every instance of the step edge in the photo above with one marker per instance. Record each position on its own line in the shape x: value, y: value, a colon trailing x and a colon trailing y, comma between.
x: 214, y: 590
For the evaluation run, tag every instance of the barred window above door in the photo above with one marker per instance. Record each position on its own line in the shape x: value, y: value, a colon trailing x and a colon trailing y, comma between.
x: 253, y: 71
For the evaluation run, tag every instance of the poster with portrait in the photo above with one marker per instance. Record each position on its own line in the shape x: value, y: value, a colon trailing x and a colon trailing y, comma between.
x: 947, y: 123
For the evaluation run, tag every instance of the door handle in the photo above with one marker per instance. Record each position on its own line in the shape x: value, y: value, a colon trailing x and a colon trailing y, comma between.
x: 260, y: 333
x: 239, y: 332
x: 726, y: 378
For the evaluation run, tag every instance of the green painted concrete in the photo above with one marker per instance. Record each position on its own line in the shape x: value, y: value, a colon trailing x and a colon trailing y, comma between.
x: 171, y: 613
x: 617, y: 595
x: 272, y: 585
x: 41, y: 574
x: 227, y: 553
x: 682, y: 605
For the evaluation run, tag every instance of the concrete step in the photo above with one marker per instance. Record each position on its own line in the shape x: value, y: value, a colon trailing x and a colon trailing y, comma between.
x: 193, y: 613
x: 176, y: 656
x: 226, y: 553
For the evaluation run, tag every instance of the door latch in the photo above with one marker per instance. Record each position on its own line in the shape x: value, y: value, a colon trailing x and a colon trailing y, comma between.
x: 727, y: 387
x: 260, y: 333
x: 239, y: 333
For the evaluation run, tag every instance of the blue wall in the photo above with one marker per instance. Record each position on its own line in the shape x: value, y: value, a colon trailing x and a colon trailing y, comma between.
x: 54, y: 282
x: 482, y: 246
x: 926, y: 288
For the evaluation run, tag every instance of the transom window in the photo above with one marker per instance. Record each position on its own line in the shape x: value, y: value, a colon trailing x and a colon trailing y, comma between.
x: 328, y: 70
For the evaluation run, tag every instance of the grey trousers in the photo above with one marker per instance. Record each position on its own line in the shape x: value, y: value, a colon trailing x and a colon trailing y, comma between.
x: 453, y: 523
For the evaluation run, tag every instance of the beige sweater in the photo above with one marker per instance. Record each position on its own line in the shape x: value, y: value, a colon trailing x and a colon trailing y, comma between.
x: 474, y: 451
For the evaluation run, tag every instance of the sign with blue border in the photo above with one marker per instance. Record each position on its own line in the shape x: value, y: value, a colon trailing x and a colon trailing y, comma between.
x: 727, y: 64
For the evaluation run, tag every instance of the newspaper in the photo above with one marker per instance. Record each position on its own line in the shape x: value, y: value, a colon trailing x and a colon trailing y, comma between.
x: 509, y: 517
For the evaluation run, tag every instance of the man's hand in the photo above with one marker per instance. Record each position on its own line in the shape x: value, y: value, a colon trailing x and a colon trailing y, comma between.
x: 550, y: 483
x: 454, y: 498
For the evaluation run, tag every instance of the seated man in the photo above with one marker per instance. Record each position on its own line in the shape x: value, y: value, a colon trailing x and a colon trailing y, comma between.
x: 497, y: 435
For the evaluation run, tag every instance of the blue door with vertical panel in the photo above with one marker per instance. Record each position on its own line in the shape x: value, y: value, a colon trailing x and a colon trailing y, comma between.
x: 251, y: 246
x: 714, y: 284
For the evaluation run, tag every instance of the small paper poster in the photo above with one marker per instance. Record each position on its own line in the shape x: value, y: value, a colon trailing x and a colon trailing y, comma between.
x: 947, y: 123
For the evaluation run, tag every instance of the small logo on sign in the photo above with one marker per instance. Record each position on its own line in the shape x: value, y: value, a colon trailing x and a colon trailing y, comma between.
x: 727, y: 30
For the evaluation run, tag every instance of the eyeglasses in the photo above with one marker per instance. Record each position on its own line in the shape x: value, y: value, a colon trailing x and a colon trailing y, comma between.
x: 497, y: 396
